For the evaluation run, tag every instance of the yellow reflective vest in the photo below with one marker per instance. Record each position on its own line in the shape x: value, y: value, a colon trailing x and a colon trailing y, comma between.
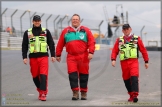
x: 37, y: 43
x: 129, y: 49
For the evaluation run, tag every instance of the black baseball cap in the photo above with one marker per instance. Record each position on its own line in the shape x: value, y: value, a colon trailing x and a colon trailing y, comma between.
x: 126, y: 26
x: 36, y: 17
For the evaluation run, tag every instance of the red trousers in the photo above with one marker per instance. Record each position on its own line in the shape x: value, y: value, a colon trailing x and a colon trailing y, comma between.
x: 130, y: 67
x: 78, y: 69
x: 130, y: 74
x: 39, y: 72
x: 78, y: 63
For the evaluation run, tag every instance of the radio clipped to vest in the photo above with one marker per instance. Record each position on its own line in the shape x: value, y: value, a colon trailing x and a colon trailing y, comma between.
x: 37, y: 43
x: 129, y: 49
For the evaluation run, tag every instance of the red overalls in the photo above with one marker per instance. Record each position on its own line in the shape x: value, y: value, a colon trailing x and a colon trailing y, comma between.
x: 130, y: 67
x: 77, y: 57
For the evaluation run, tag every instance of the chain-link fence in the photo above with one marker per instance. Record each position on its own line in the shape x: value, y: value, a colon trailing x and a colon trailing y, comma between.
x: 20, y: 20
x: 150, y: 35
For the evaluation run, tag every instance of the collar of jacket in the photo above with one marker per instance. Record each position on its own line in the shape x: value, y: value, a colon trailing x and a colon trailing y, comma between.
x: 37, y: 27
x: 76, y: 29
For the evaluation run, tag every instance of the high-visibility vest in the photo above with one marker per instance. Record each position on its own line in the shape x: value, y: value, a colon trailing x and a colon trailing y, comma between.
x: 37, y: 43
x: 129, y: 49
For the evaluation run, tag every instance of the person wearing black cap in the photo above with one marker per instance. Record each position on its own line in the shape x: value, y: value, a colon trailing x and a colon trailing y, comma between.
x: 37, y: 40
x: 128, y: 47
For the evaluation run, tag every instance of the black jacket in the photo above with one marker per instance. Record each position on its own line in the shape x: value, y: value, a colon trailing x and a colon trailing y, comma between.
x: 25, y: 43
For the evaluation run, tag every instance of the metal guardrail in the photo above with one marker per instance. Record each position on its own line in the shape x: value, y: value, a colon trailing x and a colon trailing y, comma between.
x: 154, y: 43
x: 4, y: 39
x: 12, y: 42
x: 15, y: 42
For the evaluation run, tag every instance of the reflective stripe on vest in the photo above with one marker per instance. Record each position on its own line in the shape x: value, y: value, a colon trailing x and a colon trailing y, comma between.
x: 128, y: 50
x: 37, y: 43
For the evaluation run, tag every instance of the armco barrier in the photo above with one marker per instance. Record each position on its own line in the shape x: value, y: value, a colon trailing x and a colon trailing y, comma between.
x: 14, y: 42
x: 154, y: 48
x: 4, y: 39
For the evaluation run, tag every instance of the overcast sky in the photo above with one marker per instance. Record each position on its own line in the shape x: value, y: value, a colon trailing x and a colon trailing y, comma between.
x: 146, y: 13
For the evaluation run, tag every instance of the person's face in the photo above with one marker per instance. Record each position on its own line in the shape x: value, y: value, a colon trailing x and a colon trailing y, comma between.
x: 127, y: 31
x: 75, y: 21
x: 36, y: 23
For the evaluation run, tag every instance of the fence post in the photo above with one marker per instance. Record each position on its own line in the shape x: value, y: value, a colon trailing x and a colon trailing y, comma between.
x: 47, y: 20
x: 21, y: 21
x: 81, y: 21
x: 55, y: 33
x: 42, y: 15
x: 9, y: 42
x: 31, y: 18
x: 141, y: 31
x: 58, y: 27
x: 69, y: 21
x: 100, y: 30
x: 62, y: 20
x: 115, y: 35
x: 4, y: 11
x: 1, y: 19
x: 11, y: 18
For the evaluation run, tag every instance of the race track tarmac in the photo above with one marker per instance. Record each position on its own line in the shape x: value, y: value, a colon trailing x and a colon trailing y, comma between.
x: 106, y: 87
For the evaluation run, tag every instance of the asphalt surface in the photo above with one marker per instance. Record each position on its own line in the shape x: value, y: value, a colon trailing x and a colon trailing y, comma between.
x: 105, y: 86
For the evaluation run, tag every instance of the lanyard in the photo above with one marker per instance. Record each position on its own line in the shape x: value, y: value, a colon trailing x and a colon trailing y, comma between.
x: 126, y: 39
